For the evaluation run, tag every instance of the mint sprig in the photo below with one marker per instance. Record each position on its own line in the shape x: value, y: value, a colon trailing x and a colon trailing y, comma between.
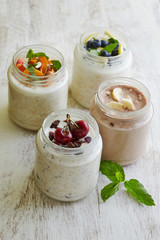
x: 109, y: 48
x: 112, y: 40
x: 139, y: 192
x: 56, y: 65
x: 116, y: 174
x: 113, y: 171
x: 30, y: 54
x: 109, y: 190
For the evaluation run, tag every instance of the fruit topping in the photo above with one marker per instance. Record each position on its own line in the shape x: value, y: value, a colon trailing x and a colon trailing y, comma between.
x: 63, y: 135
x: 80, y: 130
x: 104, y: 43
x: 121, y: 102
x: 117, y: 94
x: 115, y: 105
x: 128, y: 104
x: 38, y: 64
x: 106, y: 46
x: 55, y: 124
x: 51, y: 135
x: 72, y: 135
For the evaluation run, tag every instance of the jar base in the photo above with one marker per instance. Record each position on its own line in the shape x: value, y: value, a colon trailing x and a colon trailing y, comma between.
x: 57, y: 198
x: 20, y: 124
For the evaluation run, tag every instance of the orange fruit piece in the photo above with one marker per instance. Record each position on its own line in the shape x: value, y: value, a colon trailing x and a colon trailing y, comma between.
x: 26, y: 72
x: 38, y: 73
x: 33, y: 61
x: 44, y: 62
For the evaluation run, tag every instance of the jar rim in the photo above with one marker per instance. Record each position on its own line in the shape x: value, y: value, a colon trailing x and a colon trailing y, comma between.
x: 70, y: 111
x: 113, y: 59
x: 129, y: 82
x: 45, y: 79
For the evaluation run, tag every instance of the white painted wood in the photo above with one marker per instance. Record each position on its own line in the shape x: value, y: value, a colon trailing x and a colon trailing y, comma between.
x: 25, y: 213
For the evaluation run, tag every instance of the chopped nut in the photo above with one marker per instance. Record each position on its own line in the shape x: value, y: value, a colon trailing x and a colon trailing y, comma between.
x: 140, y: 97
x: 108, y: 93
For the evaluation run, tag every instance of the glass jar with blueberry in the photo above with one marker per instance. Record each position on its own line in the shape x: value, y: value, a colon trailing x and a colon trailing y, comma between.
x: 99, y: 55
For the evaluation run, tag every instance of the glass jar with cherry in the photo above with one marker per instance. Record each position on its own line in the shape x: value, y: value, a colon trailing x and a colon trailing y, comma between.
x: 68, y: 155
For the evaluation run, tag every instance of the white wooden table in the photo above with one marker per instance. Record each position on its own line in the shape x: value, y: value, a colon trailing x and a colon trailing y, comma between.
x: 26, y: 213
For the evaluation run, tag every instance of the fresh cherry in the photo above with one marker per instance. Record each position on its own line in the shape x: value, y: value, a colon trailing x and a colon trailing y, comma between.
x: 63, y: 135
x: 80, y: 130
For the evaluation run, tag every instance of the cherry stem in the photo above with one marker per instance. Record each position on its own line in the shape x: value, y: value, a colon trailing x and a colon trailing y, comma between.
x: 69, y: 120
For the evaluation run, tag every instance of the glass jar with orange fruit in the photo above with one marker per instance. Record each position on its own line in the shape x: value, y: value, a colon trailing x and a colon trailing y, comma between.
x: 37, y: 85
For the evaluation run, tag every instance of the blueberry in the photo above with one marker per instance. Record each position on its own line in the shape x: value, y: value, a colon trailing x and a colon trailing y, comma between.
x: 104, y: 53
x: 86, y: 47
x: 115, y: 52
x: 116, y: 48
x: 89, y: 44
x: 104, y: 43
x: 96, y: 43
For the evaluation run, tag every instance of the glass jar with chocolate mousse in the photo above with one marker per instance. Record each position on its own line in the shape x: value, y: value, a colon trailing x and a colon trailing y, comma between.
x: 99, y: 55
x: 37, y: 85
x: 123, y: 111
x: 68, y: 154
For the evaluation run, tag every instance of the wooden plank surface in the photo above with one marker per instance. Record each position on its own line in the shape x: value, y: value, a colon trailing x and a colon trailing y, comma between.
x: 25, y: 213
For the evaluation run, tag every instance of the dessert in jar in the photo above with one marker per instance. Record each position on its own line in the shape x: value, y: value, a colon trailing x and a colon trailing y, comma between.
x: 37, y: 85
x: 123, y: 111
x: 100, y: 55
x: 68, y: 155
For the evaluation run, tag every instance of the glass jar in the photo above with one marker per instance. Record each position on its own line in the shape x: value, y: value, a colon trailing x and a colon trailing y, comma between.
x: 89, y: 71
x: 124, y: 134
x: 32, y: 99
x: 67, y: 174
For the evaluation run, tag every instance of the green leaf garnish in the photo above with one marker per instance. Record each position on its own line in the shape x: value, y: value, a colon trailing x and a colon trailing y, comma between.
x: 94, y: 52
x: 112, y: 40
x: 32, y: 71
x: 109, y: 190
x: 139, y: 192
x: 56, y: 65
x: 113, y: 171
x: 109, y: 48
x: 116, y: 174
x: 30, y: 54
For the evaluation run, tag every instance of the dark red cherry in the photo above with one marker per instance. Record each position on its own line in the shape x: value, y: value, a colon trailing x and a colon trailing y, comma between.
x: 63, y: 135
x: 81, y: 130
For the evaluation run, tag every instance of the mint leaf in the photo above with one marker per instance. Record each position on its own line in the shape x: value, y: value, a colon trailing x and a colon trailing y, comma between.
x: 109, y: 48
x: 112, y: 40
x: 112, y: 170
x: 139, y: 192
x: 29, y: 54
x: 109, y: 190
x: 94, y: 51
x: 40, y: 54
x: 56, y: 65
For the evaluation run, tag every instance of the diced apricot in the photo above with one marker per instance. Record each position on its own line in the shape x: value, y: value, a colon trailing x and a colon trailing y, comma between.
x: 44, y: 62
x: 38, y: 73
x: 33, y: 61
x: 26, y: 72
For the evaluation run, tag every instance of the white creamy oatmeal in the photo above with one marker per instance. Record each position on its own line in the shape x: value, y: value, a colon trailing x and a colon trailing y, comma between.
x: 67, y: 174
x: 30, y: 103
x: 89, y: 71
